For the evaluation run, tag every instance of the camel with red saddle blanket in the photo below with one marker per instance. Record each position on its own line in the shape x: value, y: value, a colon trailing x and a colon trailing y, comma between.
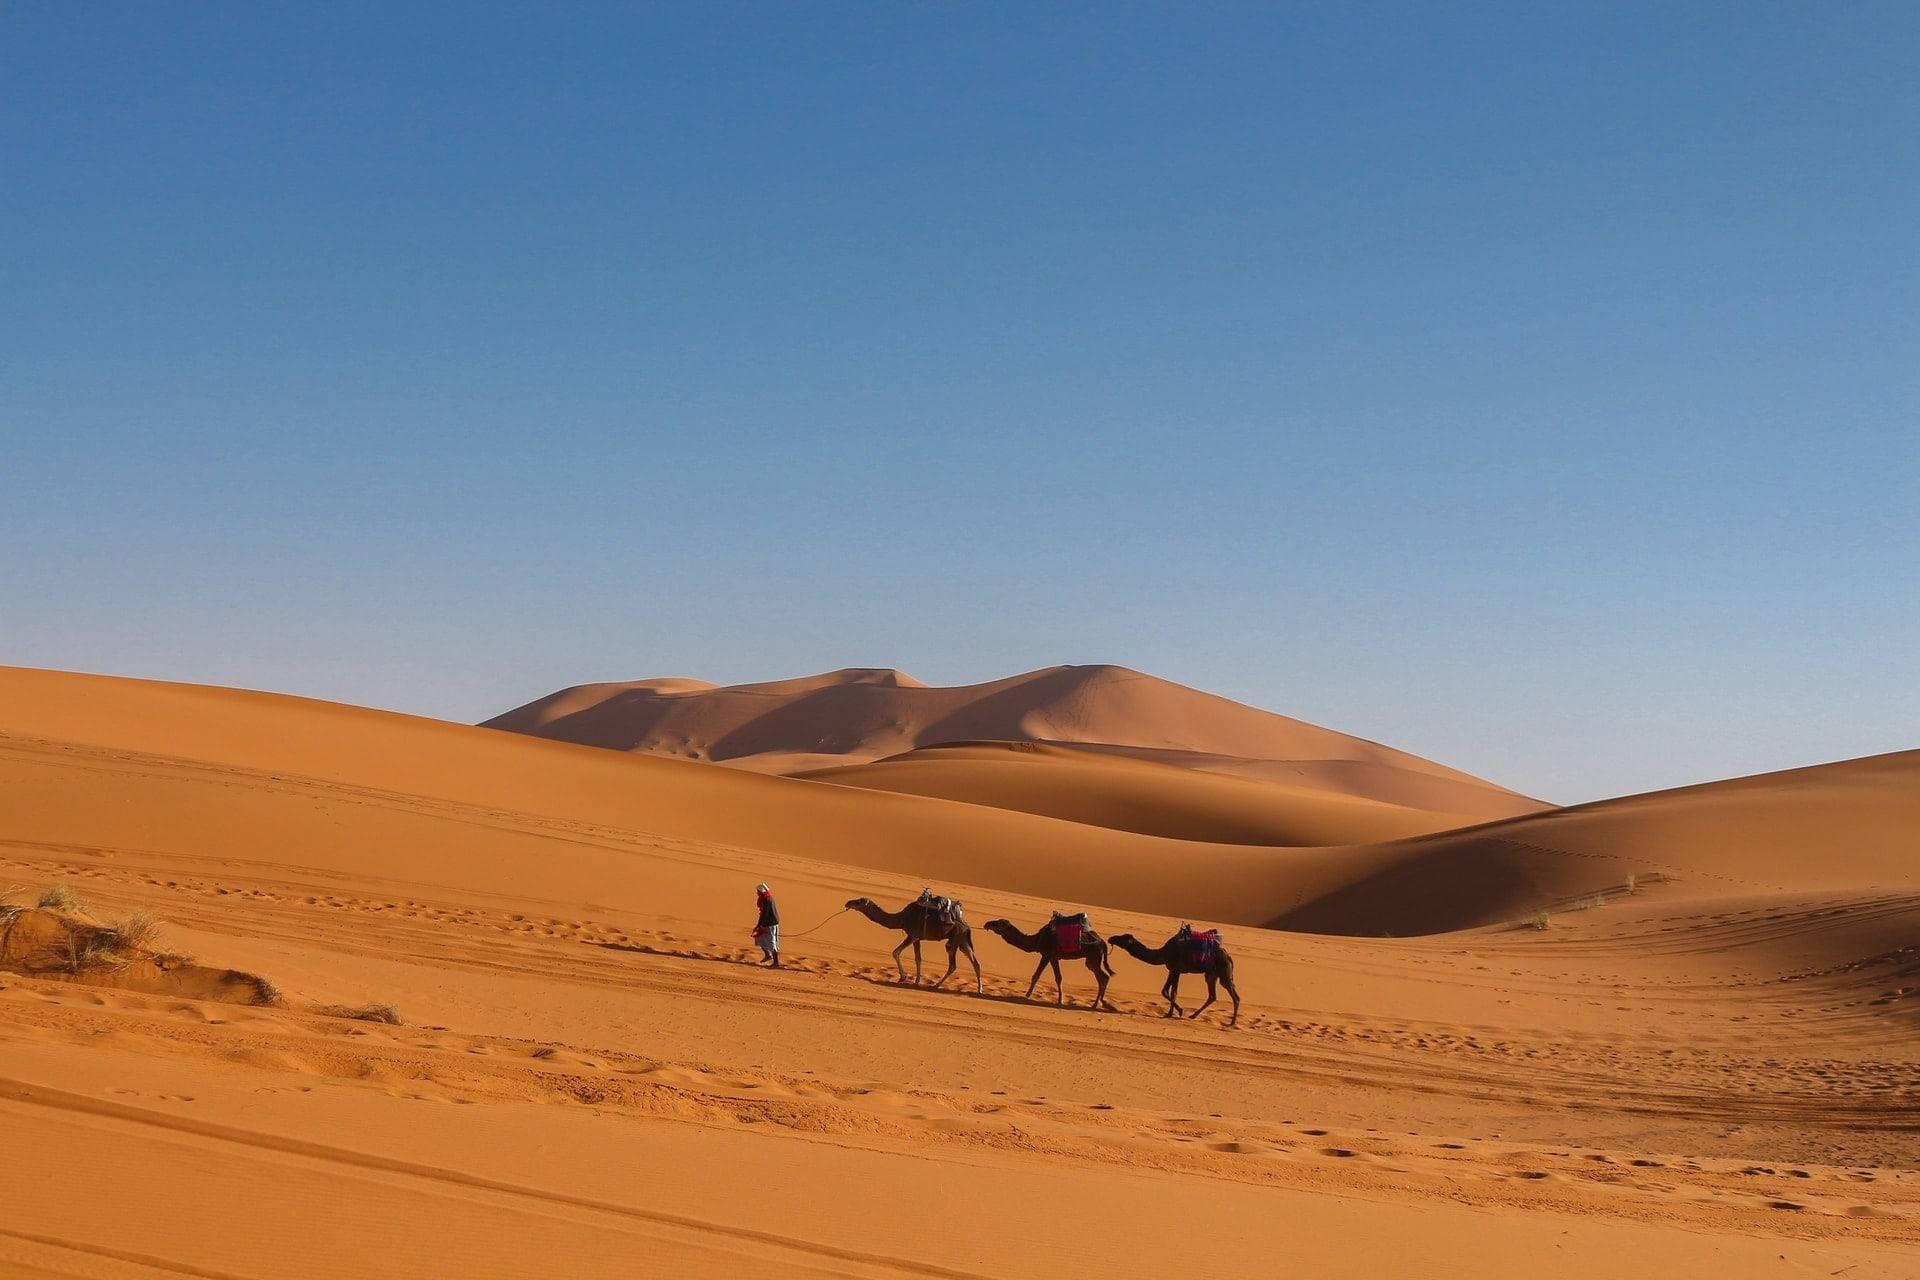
x: 1188, y: 951
x: 1065, y: 937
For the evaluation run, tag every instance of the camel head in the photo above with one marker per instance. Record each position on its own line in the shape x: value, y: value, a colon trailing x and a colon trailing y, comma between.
x: 856, y: 904
x: 998, y: 926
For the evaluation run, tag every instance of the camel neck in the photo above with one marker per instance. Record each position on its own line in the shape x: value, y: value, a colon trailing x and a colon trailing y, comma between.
x: 1024, y: 941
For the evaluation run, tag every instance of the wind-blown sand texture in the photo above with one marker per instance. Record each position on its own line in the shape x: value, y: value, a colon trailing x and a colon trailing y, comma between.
x: 1711, y: 1074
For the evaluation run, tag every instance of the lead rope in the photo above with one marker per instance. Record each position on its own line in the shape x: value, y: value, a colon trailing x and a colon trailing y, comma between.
x: 823, y: 924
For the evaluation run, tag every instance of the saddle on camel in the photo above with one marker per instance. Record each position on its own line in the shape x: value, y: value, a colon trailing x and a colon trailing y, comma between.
x: 1069, y: 933
x: 948, y: 911
x: 1203, y: 947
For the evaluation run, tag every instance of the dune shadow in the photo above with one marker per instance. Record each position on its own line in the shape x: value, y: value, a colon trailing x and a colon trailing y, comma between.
x: 679, y: 954
x: 998, y: 997
x: 876, y: 979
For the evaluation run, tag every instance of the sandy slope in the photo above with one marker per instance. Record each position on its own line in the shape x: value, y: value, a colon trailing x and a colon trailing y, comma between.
x: 863, y: 714
x: 1133, y: 794
x: 1713, y: 1075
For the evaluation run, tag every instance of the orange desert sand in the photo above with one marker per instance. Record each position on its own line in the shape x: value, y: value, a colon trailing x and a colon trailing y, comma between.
x: 1665, y: 1035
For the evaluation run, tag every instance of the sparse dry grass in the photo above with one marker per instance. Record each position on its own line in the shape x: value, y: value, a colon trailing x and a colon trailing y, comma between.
x: 264, y: 992
x: 9, y: 912
x: 111, y: 946
x: 136, y: 932
x: 93, y: 949
x: 364, y: 1013
x: 1538, y: 920
x: 59, y: 897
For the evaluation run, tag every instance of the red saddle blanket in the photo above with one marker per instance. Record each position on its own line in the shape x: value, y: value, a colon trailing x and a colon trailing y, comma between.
x: 1067, y: 935
x: 1203, y: 946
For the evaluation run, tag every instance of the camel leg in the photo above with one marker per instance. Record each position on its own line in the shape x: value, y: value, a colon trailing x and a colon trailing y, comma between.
x: 1100, y: 981
x: 904, y: 944
x: 1059, y: 988
x: 1232, y: 991
x: 953, y: 962
x: 1037, y: 971
x: 1212, y: 993
x: 1172, y: 992
x: 916, y: 962
x: 979, y: 983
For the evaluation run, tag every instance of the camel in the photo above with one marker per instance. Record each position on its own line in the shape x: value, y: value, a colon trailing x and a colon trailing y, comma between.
x: 1179, y: 959
x: 1046, y: 943
x: 922, y: 924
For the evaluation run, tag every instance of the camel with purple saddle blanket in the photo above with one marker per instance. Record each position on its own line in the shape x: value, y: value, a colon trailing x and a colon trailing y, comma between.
x: 1065, y: 937
x: 1188, y: 951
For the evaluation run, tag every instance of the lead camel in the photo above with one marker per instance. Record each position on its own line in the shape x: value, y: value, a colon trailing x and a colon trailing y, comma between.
x: 1179, y: 956
x: 921, y: 922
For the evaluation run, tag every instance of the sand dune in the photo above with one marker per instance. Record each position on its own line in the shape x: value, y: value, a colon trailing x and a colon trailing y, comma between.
x: 1102, y: 789
x: 1812, y: 830
x: 861, y: 714
x: 1709, y: 1075
x: 1831, y: 828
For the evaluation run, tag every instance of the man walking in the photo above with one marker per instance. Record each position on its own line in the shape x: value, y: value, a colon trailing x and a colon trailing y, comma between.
x: 767, y: 932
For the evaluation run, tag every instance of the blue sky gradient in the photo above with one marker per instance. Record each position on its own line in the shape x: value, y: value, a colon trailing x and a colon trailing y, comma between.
x: 1537, y: 389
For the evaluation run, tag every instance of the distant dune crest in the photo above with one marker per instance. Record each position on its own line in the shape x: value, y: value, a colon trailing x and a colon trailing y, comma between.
x: 859, y: 715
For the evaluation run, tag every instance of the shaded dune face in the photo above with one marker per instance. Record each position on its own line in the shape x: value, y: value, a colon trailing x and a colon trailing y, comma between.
x: 1073, y: 783
x: 859, y: 715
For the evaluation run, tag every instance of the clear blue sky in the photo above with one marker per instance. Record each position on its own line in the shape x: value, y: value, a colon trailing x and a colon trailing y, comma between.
x: 1535, y: 388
